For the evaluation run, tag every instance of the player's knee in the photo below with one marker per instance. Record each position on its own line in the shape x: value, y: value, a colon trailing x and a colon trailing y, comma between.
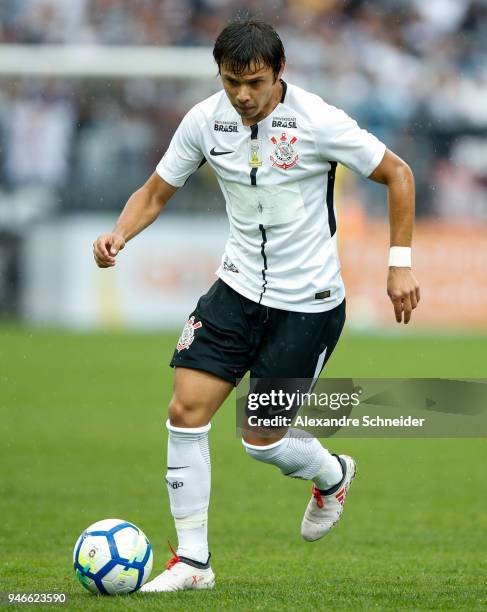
x: 179, y: 413
x: 186, y: 414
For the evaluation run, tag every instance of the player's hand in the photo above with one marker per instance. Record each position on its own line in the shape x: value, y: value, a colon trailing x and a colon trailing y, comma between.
x: 106, y: 248
x: 403, y: 290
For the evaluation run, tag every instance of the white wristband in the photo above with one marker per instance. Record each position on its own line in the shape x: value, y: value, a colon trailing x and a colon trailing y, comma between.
x: 400, y: 257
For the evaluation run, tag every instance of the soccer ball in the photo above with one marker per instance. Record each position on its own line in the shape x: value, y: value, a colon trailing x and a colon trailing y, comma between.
x: 112, y: 557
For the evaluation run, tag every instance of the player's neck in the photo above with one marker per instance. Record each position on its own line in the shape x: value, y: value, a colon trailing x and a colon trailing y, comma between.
x: 270, y: 106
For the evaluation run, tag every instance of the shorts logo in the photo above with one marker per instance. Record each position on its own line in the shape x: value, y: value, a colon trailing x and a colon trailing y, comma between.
x: 187, y: 336
x: 284, y: 156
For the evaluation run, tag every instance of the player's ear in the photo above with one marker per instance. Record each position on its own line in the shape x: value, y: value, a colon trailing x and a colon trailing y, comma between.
x: 281, y: 70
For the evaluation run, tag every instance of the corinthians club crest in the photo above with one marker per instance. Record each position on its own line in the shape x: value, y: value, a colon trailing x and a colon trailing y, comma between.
x: 284, y: 155
x: 187, y: 335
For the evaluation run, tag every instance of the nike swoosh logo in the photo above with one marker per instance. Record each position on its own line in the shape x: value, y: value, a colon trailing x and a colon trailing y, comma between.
x: 213, y: 152
x: 181, y: 467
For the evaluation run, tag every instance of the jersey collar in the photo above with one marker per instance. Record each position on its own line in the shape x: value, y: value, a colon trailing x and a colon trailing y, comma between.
x: 284, y: 90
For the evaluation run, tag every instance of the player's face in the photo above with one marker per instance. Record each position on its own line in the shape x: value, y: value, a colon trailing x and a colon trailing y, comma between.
x: 254, y: 93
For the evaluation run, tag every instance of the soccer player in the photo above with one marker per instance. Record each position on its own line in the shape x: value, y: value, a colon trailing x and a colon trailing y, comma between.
x: 278, y: 306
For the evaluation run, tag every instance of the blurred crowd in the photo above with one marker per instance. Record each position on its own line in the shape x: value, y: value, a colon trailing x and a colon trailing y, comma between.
x: 414, y: 72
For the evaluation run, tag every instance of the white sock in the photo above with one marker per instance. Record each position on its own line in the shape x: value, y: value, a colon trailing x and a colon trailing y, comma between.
x: 193, y: 537
x: 300, y: 457
x: 188, y: 481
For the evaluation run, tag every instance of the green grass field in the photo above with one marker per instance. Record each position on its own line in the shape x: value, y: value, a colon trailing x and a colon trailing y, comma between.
x: 83, y: 439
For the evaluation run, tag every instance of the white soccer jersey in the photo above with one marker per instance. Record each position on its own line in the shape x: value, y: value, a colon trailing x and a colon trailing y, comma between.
x: 277, y: 177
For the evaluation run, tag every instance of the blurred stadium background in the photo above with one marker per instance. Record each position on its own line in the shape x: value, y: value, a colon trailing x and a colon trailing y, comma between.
x: 90, y: 94
x: 92, y: 90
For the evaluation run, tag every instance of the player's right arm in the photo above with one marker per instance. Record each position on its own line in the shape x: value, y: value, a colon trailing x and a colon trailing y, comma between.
x: 183, y: 157
x: 141, y: 209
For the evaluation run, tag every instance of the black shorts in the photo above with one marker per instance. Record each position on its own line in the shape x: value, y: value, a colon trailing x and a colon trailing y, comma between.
x: 229, y: 335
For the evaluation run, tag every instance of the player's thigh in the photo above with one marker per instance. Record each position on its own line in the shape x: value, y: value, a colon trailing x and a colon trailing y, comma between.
x: 298, y: 345
x: 211, y: 355
x: 288, y: 363
x: 216, y: 337
x: 196, y: 397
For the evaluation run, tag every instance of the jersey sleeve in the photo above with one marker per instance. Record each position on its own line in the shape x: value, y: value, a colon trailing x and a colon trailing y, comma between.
x: 340, y: 139
x: 184, y: 154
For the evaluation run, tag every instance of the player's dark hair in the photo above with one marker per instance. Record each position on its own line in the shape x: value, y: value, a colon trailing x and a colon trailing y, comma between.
x: 248, y: 41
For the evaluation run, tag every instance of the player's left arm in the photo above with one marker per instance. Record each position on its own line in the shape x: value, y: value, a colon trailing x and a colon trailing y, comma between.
x: 402, y: 286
